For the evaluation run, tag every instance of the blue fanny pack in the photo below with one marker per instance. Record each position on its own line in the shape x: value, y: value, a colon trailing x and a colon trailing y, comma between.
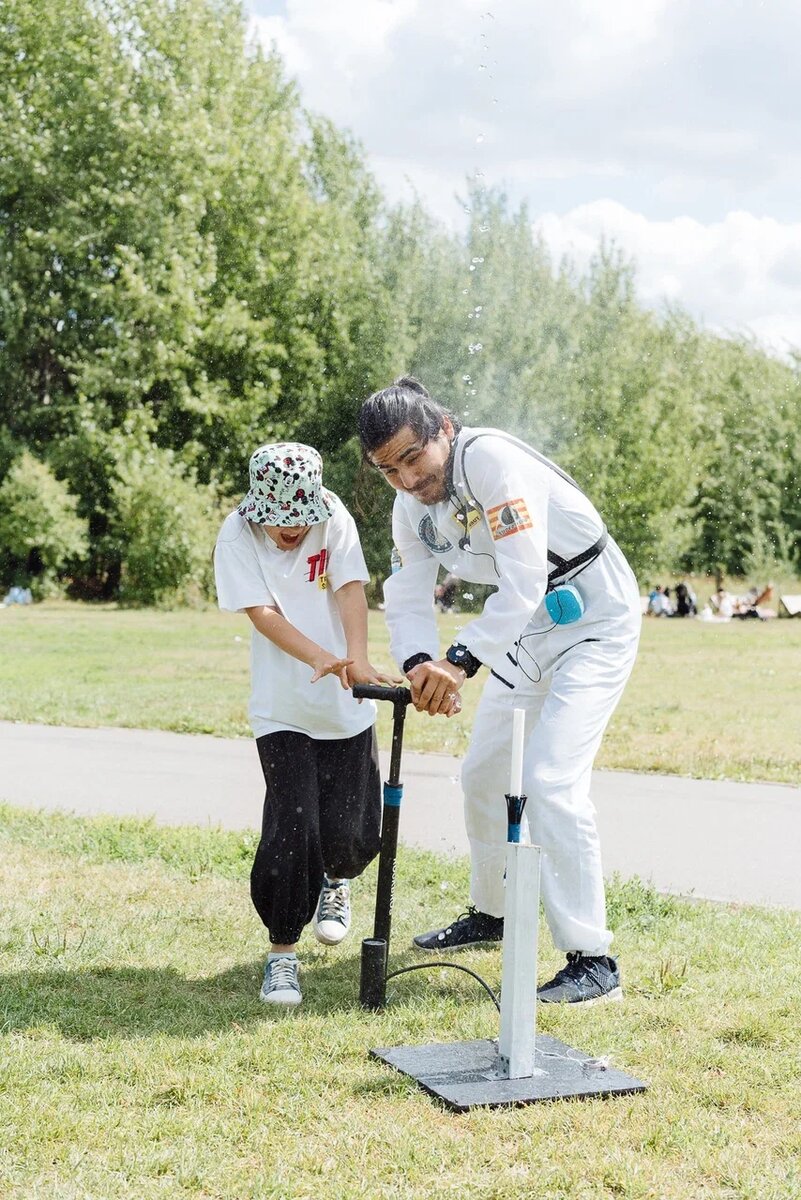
x: 564, y: 604
x: 563, y: 600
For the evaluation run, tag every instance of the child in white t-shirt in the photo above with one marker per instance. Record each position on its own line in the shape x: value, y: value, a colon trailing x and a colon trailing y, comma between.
x: 289, y: 556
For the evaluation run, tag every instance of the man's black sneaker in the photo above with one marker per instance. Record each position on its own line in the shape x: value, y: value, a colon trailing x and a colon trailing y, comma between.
x: 472, y: 928
x: 585, y: 980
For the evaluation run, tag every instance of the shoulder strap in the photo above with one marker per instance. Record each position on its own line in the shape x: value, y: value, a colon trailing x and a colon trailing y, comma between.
x: 563, y: 566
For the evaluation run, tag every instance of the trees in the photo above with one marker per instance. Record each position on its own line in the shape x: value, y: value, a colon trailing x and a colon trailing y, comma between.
x: 179, y: 241
x: 745, y: 507
x: 190, y: 258
x: 40, y: 530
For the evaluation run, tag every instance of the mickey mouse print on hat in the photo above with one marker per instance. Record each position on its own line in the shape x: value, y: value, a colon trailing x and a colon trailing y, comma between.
x: 286, y: 486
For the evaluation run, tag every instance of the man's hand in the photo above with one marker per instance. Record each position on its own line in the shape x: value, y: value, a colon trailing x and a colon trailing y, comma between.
x: 435, y: 688
x: 328, y: 664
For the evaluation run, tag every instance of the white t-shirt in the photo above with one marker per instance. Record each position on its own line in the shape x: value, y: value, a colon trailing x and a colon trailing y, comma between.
x: 250, y: 570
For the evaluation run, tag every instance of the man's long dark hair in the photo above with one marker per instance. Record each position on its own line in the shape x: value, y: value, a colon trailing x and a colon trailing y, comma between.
x: 405, y: 402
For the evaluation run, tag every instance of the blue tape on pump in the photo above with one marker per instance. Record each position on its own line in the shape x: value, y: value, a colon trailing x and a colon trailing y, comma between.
x: 513, y: 834
x: 393, y: 795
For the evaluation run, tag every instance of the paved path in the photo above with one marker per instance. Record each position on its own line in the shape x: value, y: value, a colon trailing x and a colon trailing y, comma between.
x: 723, y: 841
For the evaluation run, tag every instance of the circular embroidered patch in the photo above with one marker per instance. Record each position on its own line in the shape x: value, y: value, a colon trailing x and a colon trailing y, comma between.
x: 436, y: 542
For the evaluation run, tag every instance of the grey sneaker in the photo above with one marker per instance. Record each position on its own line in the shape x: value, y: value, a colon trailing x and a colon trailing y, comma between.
x: 585, y: 980
x: 281, y: 984
x: 332, y: 919
x: 472, y: 928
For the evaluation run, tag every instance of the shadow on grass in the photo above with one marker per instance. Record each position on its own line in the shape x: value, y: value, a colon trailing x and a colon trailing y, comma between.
x: 102, y: 1002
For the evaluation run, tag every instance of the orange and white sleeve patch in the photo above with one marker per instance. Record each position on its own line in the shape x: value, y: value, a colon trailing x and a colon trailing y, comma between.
x: 507, y: 518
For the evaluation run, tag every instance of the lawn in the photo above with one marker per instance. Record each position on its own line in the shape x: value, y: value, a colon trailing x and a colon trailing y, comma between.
x: 713, y: 701
x: 138, y: 1063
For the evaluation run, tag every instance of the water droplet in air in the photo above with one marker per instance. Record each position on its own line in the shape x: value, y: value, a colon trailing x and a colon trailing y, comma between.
x: 483, y: 229
x: 479, y: 139
x: 477, y: 260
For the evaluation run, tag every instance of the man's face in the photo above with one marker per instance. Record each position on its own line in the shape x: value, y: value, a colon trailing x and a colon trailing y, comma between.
x: 286, y: 537
x: 413, y: 465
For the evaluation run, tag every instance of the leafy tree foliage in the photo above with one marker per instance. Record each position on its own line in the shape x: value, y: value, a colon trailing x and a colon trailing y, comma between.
x: 179, y: 240
x: 166, y: 523
x: 193, y: 265
x: 40, y: 530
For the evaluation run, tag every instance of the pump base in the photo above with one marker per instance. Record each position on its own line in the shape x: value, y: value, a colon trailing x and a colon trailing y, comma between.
x: 465, y: 1075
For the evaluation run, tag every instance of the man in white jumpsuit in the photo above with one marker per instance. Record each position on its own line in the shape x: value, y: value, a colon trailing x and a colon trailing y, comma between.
x: 490, y: 509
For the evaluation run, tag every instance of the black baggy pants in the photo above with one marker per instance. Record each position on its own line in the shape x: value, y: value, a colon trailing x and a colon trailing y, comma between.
x: 322, y: 815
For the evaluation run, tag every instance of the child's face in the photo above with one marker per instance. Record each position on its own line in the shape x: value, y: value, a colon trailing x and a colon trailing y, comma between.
x: 287, y: 537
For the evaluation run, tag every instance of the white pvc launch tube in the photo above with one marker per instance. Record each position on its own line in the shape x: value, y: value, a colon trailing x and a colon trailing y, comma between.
x: 521, y: 915
x: 519, y: 980
x: 518, y: 730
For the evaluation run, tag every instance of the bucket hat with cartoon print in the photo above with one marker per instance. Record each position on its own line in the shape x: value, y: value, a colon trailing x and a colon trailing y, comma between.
x: 286, y: 486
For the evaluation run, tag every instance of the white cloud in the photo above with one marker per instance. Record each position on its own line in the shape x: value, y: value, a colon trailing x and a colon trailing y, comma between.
x: 669, y: 123
x: 664, y: 97
x: 737, y: 275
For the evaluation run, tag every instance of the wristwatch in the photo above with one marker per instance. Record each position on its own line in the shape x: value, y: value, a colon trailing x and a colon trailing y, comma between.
x: 460, y: 656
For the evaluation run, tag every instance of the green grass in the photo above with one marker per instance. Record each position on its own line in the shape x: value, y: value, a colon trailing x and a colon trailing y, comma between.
x: 137, y: 1062
x: 712, y: 701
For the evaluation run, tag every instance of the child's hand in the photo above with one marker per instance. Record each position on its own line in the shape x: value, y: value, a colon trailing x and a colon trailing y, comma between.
x: 361, y: 671
x: 326, y: 664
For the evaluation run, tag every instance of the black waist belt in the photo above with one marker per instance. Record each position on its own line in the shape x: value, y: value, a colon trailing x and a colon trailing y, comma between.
x: 565, y: 565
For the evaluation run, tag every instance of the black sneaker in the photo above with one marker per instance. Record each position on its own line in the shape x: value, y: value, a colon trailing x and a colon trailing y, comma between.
x: 585, y: 980
x: 472, y: 928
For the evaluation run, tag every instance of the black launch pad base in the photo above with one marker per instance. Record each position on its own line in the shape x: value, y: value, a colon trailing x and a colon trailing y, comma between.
x: 464, y: 1075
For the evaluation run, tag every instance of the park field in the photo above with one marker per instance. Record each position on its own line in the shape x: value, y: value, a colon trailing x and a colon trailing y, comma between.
x: 138, y: 1063
x: 710, y: 701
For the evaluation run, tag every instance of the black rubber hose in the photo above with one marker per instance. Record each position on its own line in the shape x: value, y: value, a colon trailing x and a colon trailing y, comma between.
x: 455, y: 967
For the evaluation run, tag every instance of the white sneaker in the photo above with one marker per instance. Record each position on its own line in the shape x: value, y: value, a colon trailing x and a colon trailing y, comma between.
x: 281, y: 984
x: 332, y: 919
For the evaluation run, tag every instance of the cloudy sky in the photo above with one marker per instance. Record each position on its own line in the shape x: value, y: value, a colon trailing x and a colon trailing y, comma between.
x: 670, y: 126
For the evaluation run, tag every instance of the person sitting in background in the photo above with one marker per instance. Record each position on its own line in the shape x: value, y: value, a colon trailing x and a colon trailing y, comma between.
x: 722, y: 604
x: 686, y: 605
x: 744, y: 607
x: 749, y: 606
x: 659, y: 604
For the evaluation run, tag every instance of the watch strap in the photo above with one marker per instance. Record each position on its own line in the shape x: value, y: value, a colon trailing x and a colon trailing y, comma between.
x: 415, y: 660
